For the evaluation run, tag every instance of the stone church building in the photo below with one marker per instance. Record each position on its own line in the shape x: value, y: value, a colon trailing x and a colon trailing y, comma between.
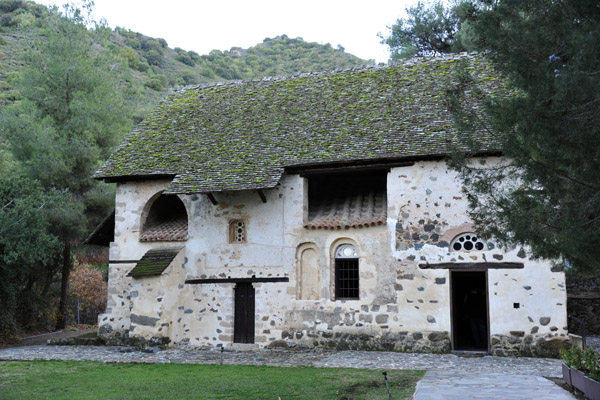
x: 318, y: 210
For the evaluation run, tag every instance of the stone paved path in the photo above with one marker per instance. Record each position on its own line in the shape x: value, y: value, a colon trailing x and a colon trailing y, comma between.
x: 449, y: 376
x: 449, y: 385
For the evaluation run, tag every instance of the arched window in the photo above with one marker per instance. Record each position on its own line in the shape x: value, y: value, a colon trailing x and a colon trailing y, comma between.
x: 166, y: 219
x: 468, y: 242
x: 346, y: 273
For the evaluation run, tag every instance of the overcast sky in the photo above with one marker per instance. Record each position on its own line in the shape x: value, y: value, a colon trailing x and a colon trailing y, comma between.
x: 202, y: 26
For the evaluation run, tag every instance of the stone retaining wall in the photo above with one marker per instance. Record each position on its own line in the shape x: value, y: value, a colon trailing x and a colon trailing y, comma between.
x: 414, y: 342
x: 583, y: 302
x: 518, y: 344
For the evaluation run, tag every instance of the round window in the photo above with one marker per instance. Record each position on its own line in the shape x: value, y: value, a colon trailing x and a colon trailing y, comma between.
x: 346, y: 251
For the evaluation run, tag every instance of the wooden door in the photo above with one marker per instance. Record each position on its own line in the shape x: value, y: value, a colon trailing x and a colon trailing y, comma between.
x: 243, y: 327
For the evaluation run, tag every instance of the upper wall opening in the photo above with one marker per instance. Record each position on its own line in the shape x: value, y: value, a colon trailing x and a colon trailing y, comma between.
x: 166, y: 219
x: 347, y: 200
x: 468, y: 241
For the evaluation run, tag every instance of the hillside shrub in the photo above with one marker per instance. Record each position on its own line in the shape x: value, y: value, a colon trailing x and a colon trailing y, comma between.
x: 24, y: 20
x: 8, y: 6
x: 154, y: 57
x: 195, y: 56
x: 185, y: 59
x: 207, y: 72
x: 157, y: 82
x: 133, y: 59
x: 133, y: 43
x: 187, y: 77
x: 8, y: 20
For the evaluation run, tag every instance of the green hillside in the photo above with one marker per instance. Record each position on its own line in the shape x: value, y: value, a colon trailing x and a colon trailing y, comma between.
x: 154, y: 67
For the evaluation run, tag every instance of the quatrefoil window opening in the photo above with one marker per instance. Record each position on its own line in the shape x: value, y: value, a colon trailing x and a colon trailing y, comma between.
x: 237, y: 231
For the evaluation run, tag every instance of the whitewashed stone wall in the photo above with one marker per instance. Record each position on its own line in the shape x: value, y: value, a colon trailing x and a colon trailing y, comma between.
x: 401, y: 306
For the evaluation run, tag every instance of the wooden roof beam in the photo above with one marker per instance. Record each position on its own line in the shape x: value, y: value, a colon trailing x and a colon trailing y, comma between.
x: 212, y: 199
x: 262, y: 195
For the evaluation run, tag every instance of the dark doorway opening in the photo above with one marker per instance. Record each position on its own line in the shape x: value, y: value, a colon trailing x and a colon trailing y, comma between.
x: 469, y: 310
x: 243, y: 326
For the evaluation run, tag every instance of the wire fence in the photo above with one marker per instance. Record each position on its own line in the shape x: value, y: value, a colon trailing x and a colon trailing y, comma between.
x: 78, y: 313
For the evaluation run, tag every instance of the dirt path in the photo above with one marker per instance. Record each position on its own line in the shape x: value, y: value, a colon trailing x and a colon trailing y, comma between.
x: 44, y: 337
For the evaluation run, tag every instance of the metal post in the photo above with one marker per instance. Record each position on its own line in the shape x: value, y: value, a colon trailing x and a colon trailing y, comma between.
x: 583, y: 331
x: 221, y: 361
x: 78, y: 311
x: 387, y: 385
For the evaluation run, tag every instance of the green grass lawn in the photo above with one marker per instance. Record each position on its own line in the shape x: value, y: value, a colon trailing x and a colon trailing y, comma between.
x: 95, y: 380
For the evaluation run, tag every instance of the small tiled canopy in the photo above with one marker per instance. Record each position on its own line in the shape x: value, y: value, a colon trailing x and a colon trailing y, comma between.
x: 104, y: 233
x: 154, y: 262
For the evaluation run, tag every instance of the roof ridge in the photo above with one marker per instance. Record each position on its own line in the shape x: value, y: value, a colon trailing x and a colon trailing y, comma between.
x: 365, y: 67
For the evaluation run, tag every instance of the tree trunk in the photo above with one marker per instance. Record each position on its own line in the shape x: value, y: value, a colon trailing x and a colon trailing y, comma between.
x: 64, y: 287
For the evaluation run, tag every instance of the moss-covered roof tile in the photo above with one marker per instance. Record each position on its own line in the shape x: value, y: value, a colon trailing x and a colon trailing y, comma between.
x: 154, y: 262
x: 242, y: 135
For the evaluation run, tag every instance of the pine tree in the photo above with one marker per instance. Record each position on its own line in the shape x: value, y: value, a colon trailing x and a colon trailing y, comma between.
x: 71, y: 117
x: 27, y: 249
x: 546, y: 194
x: 430, y: 28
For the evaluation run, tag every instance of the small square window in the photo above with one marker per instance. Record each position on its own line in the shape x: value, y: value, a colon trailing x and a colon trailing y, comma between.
x: 237, y: 231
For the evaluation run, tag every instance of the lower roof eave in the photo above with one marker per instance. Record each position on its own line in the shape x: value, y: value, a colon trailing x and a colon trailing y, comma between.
x: 303, y: 169
x: 132, y: 178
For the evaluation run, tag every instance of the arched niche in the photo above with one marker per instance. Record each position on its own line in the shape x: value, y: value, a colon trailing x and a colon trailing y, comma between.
x: 164, y: 218
x: 308, y: 285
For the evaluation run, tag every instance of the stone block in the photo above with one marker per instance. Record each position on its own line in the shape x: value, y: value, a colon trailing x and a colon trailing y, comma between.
x: 436, y: 336
x: 143, y: 320
x: 368, y: 318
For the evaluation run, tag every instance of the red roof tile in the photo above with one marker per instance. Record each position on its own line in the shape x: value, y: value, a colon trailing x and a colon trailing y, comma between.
x: 175, y: 229
x: 357, y: 211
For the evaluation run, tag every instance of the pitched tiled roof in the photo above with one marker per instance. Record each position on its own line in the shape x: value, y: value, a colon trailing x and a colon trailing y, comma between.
x: 174, y: 229
x: 358, y: 211
x: 104, y: 232
x: 154, y: 262
x: 242, y: 135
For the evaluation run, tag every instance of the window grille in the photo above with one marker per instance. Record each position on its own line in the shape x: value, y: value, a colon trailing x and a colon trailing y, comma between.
x: 468, y: 242
x: 346, y: 273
